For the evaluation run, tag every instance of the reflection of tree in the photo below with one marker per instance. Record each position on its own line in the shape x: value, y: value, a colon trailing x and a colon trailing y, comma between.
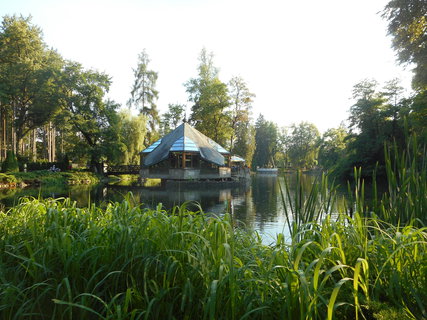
x: 264, y: 193
x: 244, y: 207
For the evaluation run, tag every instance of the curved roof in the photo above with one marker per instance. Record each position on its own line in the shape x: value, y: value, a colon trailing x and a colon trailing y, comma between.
x: 237, y: 159
x: 184, y: 138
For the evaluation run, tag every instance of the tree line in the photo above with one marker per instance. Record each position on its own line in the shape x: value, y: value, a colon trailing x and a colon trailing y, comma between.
x: 51, y: 108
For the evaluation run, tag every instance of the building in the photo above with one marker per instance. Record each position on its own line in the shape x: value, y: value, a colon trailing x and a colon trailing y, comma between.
x: 185, y: 154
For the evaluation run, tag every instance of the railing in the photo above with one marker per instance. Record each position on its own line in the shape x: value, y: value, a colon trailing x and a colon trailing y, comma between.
x: 122, y: 169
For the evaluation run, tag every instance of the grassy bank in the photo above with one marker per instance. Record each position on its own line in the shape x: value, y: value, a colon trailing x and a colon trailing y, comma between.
x: 48, y: 178
x: 124, y: 262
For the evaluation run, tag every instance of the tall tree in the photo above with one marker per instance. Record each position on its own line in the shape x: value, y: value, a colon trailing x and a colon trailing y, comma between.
x: 377, y: 117
x: 266, y: 139
x: 172, y: 118
x: 245, y: 144
x: 132, y: 132
x: 241, y: 105
x: 407, y: 24
x: 332, y: 147
x: 144, y: 95
x: 303, y: 145
x: 209, y: 95
x: 94, y: 120
x: 28, y: 79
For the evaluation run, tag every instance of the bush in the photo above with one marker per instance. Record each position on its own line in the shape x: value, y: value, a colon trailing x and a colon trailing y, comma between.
x: 10, y: 164
x: 4, y: 178
x: 22, y: 160
x: 44, y: 165
x: 65, y: 163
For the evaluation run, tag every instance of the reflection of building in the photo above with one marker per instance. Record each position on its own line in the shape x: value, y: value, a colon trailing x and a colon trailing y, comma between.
x: 185, y: 154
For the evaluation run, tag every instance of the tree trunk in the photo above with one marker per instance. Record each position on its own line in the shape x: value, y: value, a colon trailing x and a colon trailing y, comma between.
x: 53, y: 143
x: 34, y: 146
x: 2, y: 133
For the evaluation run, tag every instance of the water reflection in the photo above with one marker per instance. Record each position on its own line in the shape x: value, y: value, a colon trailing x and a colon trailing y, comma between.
x: 257, y: 204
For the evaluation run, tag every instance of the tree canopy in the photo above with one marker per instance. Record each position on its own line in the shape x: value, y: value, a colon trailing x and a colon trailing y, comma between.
x: 209, y: 112
x: 144, y: 95
x: 407, y: 24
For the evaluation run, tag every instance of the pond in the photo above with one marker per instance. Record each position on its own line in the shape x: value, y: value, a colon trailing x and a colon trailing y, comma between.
x: 257, y: 204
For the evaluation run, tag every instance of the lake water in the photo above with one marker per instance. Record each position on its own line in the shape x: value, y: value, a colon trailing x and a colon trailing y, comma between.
x: 257, y: 204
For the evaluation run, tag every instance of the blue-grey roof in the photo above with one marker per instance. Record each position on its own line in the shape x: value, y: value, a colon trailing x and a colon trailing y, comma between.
x: 237, y: 159
x: 184, y: 139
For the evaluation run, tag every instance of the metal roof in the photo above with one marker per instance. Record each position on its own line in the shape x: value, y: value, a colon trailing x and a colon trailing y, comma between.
x: 237, y: 159
x: 184, y: 139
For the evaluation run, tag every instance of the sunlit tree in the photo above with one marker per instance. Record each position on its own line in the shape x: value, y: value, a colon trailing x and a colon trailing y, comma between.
x: 144, y: 95
x: 209, y: 95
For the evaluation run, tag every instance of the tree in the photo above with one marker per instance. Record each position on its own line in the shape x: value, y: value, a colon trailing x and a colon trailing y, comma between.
x: 95, y: 121
x: 376, y: 118
x: 418, y: 115
x: 332, y: 147
x: 172, y: 118
x: 144, y: 95
x: 211, y: 101
x: 365, y: 113
x: 132, y: 132
x: 28, y: 80
x: 266, y: 137
x: 10, y: 164
x: 245, y: 144
x: 407, y: 24
x: 241, y: 104
x: 303, y: 145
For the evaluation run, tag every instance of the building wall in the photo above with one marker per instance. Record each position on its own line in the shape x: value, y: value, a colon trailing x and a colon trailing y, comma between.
x: 186, y: 173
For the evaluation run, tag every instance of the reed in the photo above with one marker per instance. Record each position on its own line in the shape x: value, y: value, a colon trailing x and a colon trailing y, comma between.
x: 366, y: 259
x: 376, y: 225
x: 58, y: 261
x: 406, y: 196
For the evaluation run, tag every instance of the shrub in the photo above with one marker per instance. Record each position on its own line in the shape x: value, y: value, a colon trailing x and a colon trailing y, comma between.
x: 4, y: 178
x: 43, y: 165
x: 10, y: 164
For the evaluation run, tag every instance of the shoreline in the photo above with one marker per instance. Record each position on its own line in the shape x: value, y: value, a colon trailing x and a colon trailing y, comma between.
x: 22, y: 180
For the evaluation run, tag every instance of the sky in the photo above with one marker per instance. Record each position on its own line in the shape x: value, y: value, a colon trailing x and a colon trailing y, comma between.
x: 300, y: 58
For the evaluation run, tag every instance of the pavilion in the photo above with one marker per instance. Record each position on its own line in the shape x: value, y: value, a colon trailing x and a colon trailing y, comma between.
x: 185, y: 154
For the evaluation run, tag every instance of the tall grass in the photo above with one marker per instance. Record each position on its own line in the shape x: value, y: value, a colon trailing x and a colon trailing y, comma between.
x: 122, y: 261
x: 385, y: 230
x: 58, y: 261
x: 406, y: 196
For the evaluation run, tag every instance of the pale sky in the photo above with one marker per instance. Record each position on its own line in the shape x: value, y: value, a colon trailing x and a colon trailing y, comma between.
x: 300, y: 58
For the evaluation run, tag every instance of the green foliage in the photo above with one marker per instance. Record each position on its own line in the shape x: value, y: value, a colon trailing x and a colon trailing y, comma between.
x: 418, y: 115
x: 172, y: 118
x: 376, y: 118
x: 266, y: 138
x: 332, y: 147
x: 121, y: 262
x: 241, y: 105
x: 95, y: 120
x: 28, y: 75
x: 407, y: 24
x: 406, y: 197
x: 44, y: 165
x: 302, y: 145
x: 211, y: 101
x: 49, y: 178
x: 132, y: 133
x: 10, y: 164
x: 144, y: 95
x: 388, y: 279
x: 7, y: 179
x: 244, y: 145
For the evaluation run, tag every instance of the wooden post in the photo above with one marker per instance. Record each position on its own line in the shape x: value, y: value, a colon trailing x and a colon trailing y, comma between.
x: 183, y: 160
